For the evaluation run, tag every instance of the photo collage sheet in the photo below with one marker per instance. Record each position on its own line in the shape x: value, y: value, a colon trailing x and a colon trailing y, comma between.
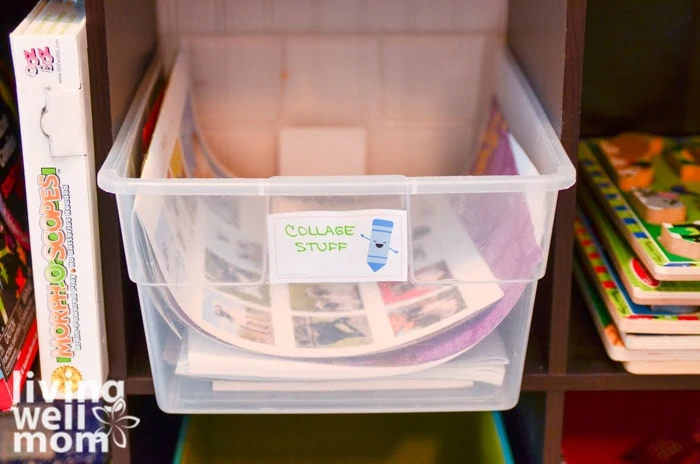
x: 336, y: 319
x: 216, y: 273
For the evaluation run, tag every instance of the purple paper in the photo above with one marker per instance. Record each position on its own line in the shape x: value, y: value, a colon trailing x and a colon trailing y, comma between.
x: 500, y: 223
x: 495, y: 157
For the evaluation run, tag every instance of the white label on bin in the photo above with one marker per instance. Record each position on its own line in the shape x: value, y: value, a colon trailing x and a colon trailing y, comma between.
x: 338, y: 246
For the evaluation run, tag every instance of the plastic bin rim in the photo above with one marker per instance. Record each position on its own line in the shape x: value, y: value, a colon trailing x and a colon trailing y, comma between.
x: 207, y: 284
x: 110, y: 180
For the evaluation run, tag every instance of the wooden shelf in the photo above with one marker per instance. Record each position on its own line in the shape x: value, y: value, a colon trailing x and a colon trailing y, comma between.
x: 140, y: 382
x: 590, y: 368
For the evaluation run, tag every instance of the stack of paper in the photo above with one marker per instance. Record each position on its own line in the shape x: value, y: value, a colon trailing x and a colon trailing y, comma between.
x: 240, y: 370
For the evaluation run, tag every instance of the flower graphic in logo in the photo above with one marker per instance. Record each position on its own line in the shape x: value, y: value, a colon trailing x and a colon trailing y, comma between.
x: 115, y: 421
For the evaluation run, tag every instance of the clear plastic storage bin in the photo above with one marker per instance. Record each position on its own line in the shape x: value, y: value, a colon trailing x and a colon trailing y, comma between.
x: 232, y: 327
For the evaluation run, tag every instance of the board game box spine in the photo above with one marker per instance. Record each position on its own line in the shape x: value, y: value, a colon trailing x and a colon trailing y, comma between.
x: 49, y: 52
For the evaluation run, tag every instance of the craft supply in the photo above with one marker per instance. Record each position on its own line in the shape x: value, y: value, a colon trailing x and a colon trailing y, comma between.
x: 495, y: 151
x: 628, y: 157
x: 206, y: 358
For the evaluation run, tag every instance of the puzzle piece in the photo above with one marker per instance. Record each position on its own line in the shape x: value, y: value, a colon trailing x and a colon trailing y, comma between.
x: 682, y: 239
x: 658, y: 207
x: 629, y: 157
x: 685, y: 163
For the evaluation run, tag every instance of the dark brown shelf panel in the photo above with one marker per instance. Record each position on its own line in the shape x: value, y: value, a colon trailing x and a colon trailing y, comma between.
x: 139, y: 380
x: 536, y: 371
x: 140, y: 383
x: 590, y: 368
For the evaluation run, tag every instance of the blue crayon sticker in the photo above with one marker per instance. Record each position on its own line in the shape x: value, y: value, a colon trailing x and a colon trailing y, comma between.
x: 379, y: 244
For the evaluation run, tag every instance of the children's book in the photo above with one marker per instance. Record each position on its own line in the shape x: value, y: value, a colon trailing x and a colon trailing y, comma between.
x: 622, y: 346
x: 642, y: 287
x: 628, y: 316
x: 652, y: 228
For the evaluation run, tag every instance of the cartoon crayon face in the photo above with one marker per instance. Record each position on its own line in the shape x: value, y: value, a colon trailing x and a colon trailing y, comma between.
x: 379, y: 243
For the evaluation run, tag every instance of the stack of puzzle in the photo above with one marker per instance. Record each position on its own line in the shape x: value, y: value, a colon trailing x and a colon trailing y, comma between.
x: 637, y: 235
